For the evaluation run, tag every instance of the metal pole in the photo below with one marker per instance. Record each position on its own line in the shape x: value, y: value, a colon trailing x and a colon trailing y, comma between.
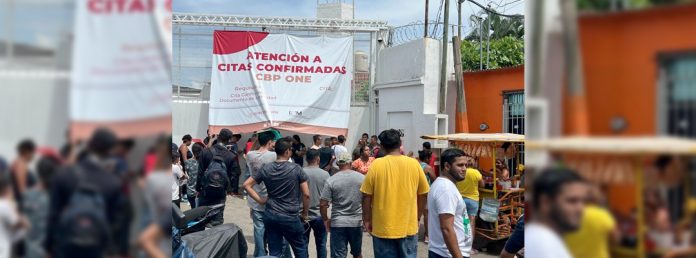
x: 480, y: 43
x: 488, y: 36
x: 535, y: 53
x: 443, y: 65
x: 425, y: 30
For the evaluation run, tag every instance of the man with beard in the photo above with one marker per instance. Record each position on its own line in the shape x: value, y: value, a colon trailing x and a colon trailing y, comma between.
x: 451, y: 234
x: 558, y: 198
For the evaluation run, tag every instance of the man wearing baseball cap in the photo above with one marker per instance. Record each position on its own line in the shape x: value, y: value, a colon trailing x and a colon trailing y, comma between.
x: 342, y: 190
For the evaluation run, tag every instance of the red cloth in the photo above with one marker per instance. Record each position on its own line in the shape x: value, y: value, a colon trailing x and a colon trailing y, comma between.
x: 150, y: 161
x: 248, y: 147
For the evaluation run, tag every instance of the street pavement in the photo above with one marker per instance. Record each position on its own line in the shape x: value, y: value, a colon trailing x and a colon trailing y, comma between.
x: 237, y: 212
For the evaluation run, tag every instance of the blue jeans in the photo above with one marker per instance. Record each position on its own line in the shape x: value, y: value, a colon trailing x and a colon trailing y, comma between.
x: 341, y: 237
x: 406, y: 247
x: 431, y: 254
x: 288, y: 227
x: 260, y: 237
x: 259, y: 233
x: 317, y: 225
x: 472, y: 206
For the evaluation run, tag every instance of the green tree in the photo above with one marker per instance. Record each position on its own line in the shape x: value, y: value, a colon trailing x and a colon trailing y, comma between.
x: 504, y: 52
x: 500, y: 27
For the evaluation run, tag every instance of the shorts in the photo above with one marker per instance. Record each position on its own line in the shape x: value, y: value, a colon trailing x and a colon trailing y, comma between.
x: 472, y: 206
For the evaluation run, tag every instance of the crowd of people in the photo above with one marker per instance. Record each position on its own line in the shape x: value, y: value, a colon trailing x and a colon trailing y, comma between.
x: 294, y: 191
x: 86, y: 200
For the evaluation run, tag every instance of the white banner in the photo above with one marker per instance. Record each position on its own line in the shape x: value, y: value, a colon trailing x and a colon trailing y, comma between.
x: 262, y: 80
x: 121, y: 67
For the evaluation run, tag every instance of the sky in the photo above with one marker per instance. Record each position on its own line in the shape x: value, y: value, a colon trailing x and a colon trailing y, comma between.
x: 42, y: 22
x: 395, y: 12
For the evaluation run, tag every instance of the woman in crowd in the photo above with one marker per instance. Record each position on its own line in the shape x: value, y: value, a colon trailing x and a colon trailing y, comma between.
x: 363, y: 163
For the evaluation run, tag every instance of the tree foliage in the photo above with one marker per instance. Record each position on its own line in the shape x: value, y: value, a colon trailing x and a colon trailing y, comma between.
x: 500, y: 27
x: 504, y: 52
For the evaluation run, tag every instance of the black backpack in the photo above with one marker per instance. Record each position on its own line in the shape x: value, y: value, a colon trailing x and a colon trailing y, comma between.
x: 83, y: 225
x: 215, y: 180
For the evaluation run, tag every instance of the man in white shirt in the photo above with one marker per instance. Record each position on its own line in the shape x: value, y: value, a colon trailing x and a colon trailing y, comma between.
x: 450, y: 233
x: 558, y: 197
x: 339, y: 148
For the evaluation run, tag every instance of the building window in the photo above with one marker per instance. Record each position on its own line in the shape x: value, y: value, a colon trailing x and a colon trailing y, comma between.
x: 513, y: 122
x: 680, y: 83
x: 513, y: 112
x: 678, y: 117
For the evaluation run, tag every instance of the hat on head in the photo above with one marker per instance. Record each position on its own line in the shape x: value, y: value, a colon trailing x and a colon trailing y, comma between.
x: 344, y: 158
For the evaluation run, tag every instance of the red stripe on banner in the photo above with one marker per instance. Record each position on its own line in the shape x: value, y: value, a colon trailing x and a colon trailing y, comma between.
x: 123, y: 129
x: 288, y: 126
x: 229, y: 42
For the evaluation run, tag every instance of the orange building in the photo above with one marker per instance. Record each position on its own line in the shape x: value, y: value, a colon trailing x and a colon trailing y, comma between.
x: 495, y: 102
x: 639, y: 72
x: 491, y: 96
x: 630, y: 60
x: 639, y: 76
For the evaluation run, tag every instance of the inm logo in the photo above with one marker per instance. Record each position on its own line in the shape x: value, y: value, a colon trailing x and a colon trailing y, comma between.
x: 295, y: 113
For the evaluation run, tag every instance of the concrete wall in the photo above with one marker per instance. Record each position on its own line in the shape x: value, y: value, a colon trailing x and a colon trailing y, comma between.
x: 484, y: 96
x: 407, y: 83
x: 335, y: 11
x: 34, y: 108
x: 621, y: 79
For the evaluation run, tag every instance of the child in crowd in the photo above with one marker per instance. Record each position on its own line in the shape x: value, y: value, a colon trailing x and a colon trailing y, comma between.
x: 179, y: 179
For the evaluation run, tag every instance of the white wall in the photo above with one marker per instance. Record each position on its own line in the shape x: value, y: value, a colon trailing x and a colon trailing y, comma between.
x: 408, y: 84
x: 34, y: 108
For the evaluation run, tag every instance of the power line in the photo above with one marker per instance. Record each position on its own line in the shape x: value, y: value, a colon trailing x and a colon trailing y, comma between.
x: 490, y: 10
x: 437, y: 20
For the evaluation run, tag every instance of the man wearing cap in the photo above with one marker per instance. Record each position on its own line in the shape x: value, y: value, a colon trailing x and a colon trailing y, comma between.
x: 342, y: 191
x: 224, y: 138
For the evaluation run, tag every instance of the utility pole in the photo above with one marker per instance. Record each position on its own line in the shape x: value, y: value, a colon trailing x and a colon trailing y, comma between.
x: 459, y: 17
x: 425, y: 30
x: 461, y: 118
x: 443, y: 65
x: 573, y: 66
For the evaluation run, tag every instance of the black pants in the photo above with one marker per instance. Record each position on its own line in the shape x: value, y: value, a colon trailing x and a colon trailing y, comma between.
x: 234, y: 181
x: 218, y: 219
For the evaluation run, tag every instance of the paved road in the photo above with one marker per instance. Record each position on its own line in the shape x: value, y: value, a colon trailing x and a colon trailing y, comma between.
x: 237, y: 212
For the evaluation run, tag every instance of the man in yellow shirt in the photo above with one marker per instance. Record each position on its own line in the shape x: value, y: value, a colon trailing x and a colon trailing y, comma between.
x: 394, y: 196
x: 469, y: 189
x: 597, y: 231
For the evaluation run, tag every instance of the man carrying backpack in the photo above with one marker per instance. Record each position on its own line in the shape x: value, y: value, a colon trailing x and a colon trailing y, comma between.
x: 86, y: 202
x: 217, y: 166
